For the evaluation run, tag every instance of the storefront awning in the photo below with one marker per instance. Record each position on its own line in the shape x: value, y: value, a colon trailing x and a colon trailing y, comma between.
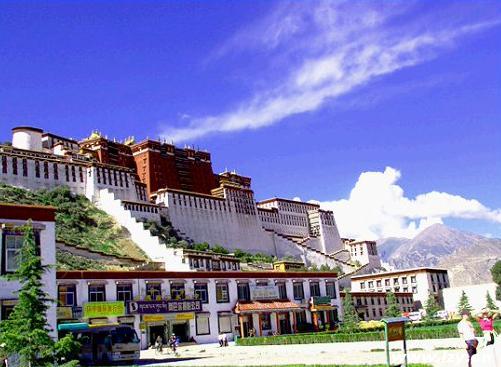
x: 263, y: 306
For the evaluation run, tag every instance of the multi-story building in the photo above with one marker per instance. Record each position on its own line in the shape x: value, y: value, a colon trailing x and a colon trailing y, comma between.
x: 12, y: 218
x: 364, y: 252
x: 421, y: 282
x: 199, y: 305
x: 148, y: 180
x: 373, y: 305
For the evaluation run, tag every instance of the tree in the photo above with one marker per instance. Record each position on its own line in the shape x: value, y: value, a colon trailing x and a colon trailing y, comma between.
x: 496, y: 276
x: 464, y: 304
x: 490, y: 304
x: 392, y: 310
x: 218, y: 249
x: 431, y: 307
x: 26, y: 331
x: 350, y: 316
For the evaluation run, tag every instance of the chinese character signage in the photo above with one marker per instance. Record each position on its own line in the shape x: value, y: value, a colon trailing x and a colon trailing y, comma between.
x: 103, y: 309
x: 153, y: 307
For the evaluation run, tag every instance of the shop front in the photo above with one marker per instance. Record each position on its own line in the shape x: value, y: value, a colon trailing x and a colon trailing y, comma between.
x: 324, y: 313
x: 263, y: 318
x: 164, y: 318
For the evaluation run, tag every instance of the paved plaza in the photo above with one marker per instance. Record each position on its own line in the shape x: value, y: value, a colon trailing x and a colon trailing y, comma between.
x: 419, y: 351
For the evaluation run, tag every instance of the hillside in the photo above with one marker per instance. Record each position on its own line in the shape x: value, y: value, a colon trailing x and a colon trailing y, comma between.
x: 468, y: 256
x: 78, y: 221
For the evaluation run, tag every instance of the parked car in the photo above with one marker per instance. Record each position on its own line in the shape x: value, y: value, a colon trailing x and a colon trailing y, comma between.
x: 413, y: 316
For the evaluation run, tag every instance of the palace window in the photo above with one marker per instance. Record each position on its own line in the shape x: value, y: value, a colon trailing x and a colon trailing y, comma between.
x: 25, y: 167
x: 109, y: 177
x: 243, y: 291
x: 97, y: 293
x: 378, y: 283
x: 298, y: 290
x: 201, y: 292
x: 98, y: 174
x: 104, y: 176
x: 224, y: 322
x: 56, y: 173
x: 124, y: 292
x: 80, y: 172
x: 67, y: 172
x: 46, y: 170
x: 154, y: 290
x: 202, y: 324
x: 362, y: 285
x: 14, y: 166
x: 67, y: 295
x: 222, y: 293
x: 314, y: 289
x: 386, y: 282
x: 126, y: 180
x: 73, y: 174
x: 282, y: 290
x: 177, y: 291
x: 413, y: 279
x: 4, y: 164
x: 37, y: 169
x: 115, y: 181
x: 12, y: 244
x: 371, y: 284
x: 330, y: 288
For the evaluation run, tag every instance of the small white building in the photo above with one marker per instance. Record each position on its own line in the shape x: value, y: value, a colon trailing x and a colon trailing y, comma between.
x: 477, y: 296
x: 420, y: 281
x: 11, y: 218
x: 198, y: 306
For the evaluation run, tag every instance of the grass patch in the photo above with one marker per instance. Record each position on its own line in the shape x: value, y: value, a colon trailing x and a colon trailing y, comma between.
x: 413, y: 332
x: 78, y: 222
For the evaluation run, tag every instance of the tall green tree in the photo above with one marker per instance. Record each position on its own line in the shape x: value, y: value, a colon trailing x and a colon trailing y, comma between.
x: 490, y: 304
x: 392, y: 309
x: 350, y: 315
x: 431, y: 307
x: 26, y: 331
x: 496, y: 276
x: 464, y: 304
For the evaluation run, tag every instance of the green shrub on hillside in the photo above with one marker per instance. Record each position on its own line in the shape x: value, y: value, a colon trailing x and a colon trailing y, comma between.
x: 78, y: 221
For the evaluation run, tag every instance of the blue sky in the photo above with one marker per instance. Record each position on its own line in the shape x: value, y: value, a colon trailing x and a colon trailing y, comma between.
x: 310, y: 99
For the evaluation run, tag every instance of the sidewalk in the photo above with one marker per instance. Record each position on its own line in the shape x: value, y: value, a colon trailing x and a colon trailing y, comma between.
x: 419, y: 351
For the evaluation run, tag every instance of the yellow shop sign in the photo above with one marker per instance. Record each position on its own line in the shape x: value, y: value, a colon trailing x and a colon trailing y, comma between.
x: 180, y: 316
x: 103, y: 309
x: 153, y: 318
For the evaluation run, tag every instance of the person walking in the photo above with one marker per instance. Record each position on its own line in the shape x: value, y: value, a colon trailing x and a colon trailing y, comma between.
x: 467, y: 333
x: 486, y: 321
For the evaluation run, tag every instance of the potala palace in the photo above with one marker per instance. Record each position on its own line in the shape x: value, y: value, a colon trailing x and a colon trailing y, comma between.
x: 149, y: 180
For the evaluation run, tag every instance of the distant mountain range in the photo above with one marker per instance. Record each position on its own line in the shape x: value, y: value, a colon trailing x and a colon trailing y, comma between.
x: 467, y: 256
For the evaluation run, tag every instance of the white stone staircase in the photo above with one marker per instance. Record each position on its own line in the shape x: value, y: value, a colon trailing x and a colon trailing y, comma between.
x: 151, y: 245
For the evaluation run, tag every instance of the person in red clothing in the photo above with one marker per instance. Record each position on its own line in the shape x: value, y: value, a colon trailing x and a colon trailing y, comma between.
x: 486, y: 321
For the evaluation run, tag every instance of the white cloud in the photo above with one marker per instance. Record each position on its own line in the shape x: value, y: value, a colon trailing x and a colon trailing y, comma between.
x: 329, y: 49
x: 377, y: 207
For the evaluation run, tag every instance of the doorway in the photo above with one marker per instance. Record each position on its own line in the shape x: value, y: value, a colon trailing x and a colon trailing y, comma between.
x: 155, y: 331
x: 182, y: 331
x: 247, y: 324
x: 284, y: 325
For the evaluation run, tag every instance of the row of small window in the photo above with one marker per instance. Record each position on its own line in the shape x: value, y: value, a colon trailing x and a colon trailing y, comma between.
x: 364, y: 301
x: 379, y: 312
x: 111, y: 177
x: 293, y: 220
x: 197, y: 263
x: 67, y: 293
x: 141, y: 208
x: 201, y: 203
x: 55, y: 171
x: 296, y: 208
x: 387, y: 282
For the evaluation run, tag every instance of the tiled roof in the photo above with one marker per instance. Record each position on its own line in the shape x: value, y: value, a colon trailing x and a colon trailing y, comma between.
x: 265, y: 306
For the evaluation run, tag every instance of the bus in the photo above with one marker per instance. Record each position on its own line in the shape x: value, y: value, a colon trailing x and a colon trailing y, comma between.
x: 108, y: 343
